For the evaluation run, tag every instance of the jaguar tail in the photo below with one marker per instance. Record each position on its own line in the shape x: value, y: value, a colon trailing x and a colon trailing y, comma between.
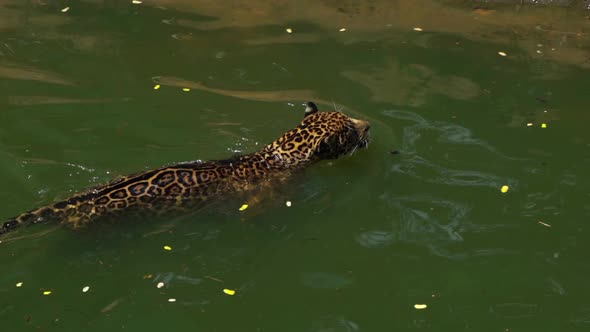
x: 36, y: 216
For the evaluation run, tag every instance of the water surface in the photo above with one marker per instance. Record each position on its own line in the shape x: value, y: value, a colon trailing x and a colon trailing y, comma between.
x: 367, y: 237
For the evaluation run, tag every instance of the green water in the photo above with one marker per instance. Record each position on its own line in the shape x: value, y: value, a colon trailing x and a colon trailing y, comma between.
x: 367, y: 237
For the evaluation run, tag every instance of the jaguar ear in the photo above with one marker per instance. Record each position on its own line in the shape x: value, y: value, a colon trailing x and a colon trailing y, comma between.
x: 310, y: 108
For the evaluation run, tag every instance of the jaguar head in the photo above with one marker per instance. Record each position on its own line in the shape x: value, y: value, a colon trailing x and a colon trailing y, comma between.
x: 322, y: 135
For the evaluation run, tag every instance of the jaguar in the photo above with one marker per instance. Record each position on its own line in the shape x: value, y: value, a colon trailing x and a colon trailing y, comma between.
x: 184, y: 186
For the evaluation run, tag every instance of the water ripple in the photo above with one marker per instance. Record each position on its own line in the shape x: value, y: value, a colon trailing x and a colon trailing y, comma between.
x: 434, y: 228
x: 419, y: 167
x: 334, y: 324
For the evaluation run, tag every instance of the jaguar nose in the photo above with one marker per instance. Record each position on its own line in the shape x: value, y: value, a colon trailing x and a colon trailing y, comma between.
x: 364, y: 126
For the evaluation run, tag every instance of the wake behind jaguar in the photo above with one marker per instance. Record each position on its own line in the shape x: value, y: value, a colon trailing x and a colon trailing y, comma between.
x: 182, y: 187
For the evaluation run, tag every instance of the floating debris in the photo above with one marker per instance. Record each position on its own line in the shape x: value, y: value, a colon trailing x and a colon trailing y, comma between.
x: 543, y: 125
x: 420, y: 306
x: 418, y: 29
x: 342, y: 29
x: 529, y: 124
x: 483, y: 11
x: 156, y: 87
x: 186, y: 89
x: 243, y: 207
x: 137, y: 2
x: 289, y: 30
x: 504, y: 189
x: 148, y: 276
x: 19, y: 284
x: 167, y: 248
x: 47, y: 292
x: 213, y: 278
x: 544, y: 224
x: 160, y: 284
x: 65, y: 10
x: 288, y: 203
x: 85, y: 289
x: 189, y: 280
x: 502, y: 53
x: 171, y: 300
x: 229, y: 291
x: 111, y: 306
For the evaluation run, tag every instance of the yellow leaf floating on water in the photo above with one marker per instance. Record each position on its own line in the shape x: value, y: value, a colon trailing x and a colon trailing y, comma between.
x: 420, y: 306
x: 504, y: 189
x: 65, y: 10
x: 543, y: 125
x: 19, y: 284
x: 502, y: 53
x: 186, y: 89
x: 418, y: 29
x: 229, y: 291
x: 167, y: 248
x: 156, y: 87
x: 47, y: 292
x: 342, y: 29
x: 243, y: 207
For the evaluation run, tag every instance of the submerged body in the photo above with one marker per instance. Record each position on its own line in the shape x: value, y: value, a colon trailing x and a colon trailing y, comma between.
x: 321, y: 135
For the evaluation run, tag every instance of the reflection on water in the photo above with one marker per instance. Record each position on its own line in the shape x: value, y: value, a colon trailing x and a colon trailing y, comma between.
x: 17, y: 72
x: 50, y: 100
x: 411, y: 84
x: 257, y: 95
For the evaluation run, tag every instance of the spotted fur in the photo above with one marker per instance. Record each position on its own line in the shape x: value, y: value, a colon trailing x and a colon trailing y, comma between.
x: 321, y: 135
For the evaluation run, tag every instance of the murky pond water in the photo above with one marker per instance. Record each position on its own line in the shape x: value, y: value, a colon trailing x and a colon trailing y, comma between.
x: 464, y: 98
